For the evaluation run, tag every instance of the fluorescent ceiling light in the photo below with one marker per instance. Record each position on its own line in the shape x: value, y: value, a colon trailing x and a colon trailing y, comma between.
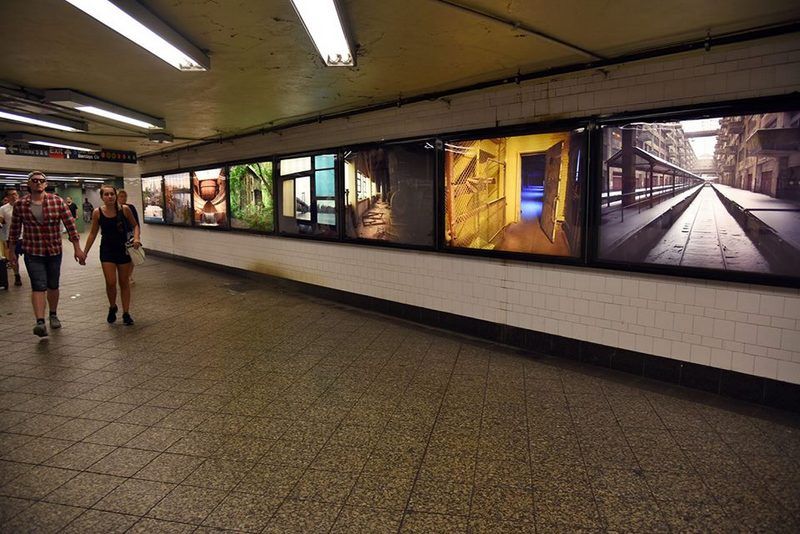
x: 324, y: 26
x: 135, y: 22
x: 95, y: 106
x: 45, y: 121
x: 33, y: 139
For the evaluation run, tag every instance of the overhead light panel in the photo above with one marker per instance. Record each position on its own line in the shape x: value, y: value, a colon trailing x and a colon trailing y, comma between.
x: 324, y: 26
x: 89, y: 104
x: 134, y: 21
x: 45, y: 121
x: 33, y: 139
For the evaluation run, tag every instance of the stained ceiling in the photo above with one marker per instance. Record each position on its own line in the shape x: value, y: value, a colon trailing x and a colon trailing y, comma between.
x: 265, y: 71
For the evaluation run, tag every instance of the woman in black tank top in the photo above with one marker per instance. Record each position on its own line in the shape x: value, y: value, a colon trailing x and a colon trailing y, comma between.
x: 113, y: 222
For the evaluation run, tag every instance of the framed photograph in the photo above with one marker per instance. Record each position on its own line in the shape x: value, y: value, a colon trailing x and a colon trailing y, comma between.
x: 389, y: 193
x: 251, y: 196
x: 210, y: 197
x: 702, y: 194
x: 178, y: 199
x: 153, y: 199
x: 520, y: 194
x: 308, y: 196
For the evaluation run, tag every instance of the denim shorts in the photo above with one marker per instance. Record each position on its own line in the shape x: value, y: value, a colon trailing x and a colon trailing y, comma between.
x: 44, y: 271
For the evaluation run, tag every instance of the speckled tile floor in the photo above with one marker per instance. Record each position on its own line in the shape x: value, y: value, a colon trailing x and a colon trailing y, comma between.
x: 235, y: 405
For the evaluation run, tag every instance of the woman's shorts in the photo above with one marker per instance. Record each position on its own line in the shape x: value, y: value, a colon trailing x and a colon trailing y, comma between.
x: 114, y: 256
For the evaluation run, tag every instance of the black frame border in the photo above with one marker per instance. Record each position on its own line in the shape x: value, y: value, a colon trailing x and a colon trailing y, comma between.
x: 789, y: 102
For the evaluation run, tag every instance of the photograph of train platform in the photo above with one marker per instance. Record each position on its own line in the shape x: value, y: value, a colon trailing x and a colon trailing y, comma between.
x: 718, y: 193
x: 515, y: 194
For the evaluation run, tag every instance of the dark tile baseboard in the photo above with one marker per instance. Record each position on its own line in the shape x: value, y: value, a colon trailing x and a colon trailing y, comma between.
x: 765, y: 391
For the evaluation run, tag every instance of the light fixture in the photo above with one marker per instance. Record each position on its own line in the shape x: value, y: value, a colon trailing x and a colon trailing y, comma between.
x: 324, y: 25
x: 134, y: 21
x: 45, y: 121
x: 89, y: 104
x: 160, y: 137
x: 33, y: 139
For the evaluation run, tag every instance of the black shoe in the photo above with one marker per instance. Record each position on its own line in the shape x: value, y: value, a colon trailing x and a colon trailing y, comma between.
x: 127, y: 319
x: 112, y: 315
x: 17, y: 280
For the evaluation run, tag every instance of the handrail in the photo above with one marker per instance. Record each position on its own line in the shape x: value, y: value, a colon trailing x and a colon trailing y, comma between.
x: 661, y: 194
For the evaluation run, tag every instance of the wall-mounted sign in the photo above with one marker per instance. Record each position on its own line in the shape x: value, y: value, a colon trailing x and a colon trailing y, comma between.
x: 116, y: 156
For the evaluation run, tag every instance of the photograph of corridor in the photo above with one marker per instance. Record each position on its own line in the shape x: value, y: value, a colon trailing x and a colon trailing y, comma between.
x: 719, y: 193
x: 389, y: 193
x: 515, y: 194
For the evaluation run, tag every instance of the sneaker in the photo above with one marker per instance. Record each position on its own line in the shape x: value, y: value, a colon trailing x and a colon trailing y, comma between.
x: 112, y: 315
x: 17, y: 280
x: 40, y: 330
x: 55, y: 323
x: 127, y: 319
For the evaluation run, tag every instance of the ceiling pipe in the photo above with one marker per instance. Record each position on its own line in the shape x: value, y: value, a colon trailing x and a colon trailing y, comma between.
x: 520, y: 26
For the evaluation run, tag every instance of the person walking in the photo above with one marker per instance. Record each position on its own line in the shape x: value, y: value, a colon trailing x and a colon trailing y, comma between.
x: 73, y: 208
x: 114, y: 221
x: 87, y: 210
x: 40, y: 214
x: 6, y: 211
x: 122, y: 199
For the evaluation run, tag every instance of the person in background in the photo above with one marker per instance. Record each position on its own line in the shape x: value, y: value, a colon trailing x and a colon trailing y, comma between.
x: 87, y: 210
x: 122, y: 198
x: 110, y: 219
x: 40, y: 213
x: 6, y: 210
x: 73, y: 208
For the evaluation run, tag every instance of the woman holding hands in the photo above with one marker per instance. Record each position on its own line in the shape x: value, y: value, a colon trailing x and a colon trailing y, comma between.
x: 114, y: 221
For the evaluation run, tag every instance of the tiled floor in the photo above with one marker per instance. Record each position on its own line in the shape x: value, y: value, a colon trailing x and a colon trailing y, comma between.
x: 236, y: 405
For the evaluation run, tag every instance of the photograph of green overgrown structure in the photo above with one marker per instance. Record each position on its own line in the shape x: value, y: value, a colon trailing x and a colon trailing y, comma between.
x: 251, y: 196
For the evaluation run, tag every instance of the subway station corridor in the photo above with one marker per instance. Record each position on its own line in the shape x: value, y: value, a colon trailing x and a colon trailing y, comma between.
x: 244, y: 406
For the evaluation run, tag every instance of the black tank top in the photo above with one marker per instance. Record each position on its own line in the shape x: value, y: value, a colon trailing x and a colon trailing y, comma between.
x: 112, y: 238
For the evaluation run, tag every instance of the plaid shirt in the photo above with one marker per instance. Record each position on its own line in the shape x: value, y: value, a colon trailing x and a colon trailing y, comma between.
x: 41, y: 238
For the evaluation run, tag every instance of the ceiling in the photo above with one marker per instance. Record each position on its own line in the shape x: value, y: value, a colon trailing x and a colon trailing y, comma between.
x: 265, y: 71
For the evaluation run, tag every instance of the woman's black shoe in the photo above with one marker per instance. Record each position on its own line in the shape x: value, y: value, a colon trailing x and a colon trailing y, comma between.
x: 127, y: 319
x: 112, y: 315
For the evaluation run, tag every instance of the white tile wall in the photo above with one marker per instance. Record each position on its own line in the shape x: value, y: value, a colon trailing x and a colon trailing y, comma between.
x: 750, y: 329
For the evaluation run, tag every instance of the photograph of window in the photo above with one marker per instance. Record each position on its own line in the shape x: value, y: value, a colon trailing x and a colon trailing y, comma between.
x: 308, y: 196
x: 714, y: 193
x: 251, y: 196
x: 153, y: 199
x: 178, y: 199
x: 210, y: 190
x: 516, y: 194
x: 388, y: 193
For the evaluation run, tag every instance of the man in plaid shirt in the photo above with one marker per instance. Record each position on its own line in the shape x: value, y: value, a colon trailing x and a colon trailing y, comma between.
x: 41, y: 213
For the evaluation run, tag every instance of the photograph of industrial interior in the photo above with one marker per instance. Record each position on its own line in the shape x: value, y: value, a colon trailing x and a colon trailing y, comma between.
x: 515, y: 194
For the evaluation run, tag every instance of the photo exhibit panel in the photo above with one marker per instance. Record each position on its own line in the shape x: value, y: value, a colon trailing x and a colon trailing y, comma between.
x: 153, y: 199
x: 178, y: 199
x: 389, y: 192
x: 308, y: 192
x: 252, y: 201
x: 719, y: 193
x: 210, y: 189
x: 519, y: 194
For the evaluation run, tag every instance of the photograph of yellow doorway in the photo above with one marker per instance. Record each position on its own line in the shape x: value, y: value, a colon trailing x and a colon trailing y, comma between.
x: 515, y: 194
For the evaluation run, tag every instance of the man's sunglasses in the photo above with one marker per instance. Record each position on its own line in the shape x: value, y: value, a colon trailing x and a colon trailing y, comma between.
x: 38, y: 180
